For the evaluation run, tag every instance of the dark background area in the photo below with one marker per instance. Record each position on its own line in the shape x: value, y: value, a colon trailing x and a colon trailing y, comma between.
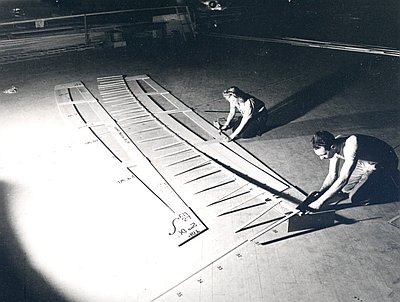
x: 375, y: 79
x: 369, y: 22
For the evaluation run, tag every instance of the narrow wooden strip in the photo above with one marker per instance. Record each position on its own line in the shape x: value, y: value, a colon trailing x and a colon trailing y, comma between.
x: 202, y: 176
x: 215, y: 186
x: 111, y: 83
x: 168, y: 146
x: 240, y: 204
x: 109, y: 77
x: 128, y: 103
x: 146, y: 130
x: 117, y: 89
x: 233, y: 192
x: 116, y: 95
x: 172, y: 111
x: 152, y: 93
x: 130, y: 98
x: 155, y: 86
x: 182, y: 160
x: 155, y: 138
x: 230, y: 197
x: 127, y: 111
x: 133, y: 117
x: 112, y: 96
x: 194, y: 168
x: 68, y: 85
x: 394, y: 219
x: 205, y: 143
x: 108, y: 85
x: 76, y: 102
x: 138, y: 122
x: 119, y: 92
x: 258, y: 216
x: 274, y: 225
x: 137, y: 78
x: 174, y: 153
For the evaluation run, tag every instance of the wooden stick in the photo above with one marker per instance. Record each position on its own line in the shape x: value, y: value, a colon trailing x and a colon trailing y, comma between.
x: 274, y: 225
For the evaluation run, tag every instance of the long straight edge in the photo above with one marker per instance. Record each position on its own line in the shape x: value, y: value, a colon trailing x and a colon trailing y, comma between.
x: 174, y: 153
x: 179, y: 161
x: 127, y: 111
x: 146, y: 130
x: 202, y: 268
x: 226, y: 181
x: 138, y: 122
x: 133, y: 117
x: 202, y: 176
x: 262, y: 232
x: 114, y: 92
x: 168, y: 146
x: 113, y: 88
x: 116, y: 111
x: 127, y: 103
x: 259, y: 215
x: 115, y: 95
x: 194, y: 167
x: 117, y: 98
x: 155, y: 138
x: 242, y: 203
x: 232, y: 192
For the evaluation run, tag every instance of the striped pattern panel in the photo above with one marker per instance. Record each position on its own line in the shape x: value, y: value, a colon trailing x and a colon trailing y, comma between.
x: 78, y: 106
x: 215, y: 178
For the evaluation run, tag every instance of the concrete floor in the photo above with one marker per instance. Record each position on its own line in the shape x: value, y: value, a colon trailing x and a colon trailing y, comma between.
x: 70, y: 233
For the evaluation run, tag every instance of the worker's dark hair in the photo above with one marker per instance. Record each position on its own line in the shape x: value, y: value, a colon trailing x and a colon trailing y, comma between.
x: 322, y: 139
x: 235, y: 91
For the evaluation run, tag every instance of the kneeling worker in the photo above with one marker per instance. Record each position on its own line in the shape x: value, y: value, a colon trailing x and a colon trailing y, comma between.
x: 253, y: 118
x: 359, y: 166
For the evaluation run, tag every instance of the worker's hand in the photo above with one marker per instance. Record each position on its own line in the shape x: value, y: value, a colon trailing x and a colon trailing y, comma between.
x: 312, y: 198
x: 228, y: 139
x: 314, y: 194
x: 218, y: 126
x: 316, y: 205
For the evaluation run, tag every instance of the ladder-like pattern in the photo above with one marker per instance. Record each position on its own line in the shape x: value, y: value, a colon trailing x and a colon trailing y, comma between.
x: 190, y: 153
x: 203, y: 180
x: 82, y: 110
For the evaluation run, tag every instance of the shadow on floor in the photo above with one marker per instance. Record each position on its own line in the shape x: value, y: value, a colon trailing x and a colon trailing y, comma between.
x: 377, y: 190
x: 346, y: 123
x: 340, y: 220
x: 18, y: 280
x: 387, y: 192
x: 310, y: 97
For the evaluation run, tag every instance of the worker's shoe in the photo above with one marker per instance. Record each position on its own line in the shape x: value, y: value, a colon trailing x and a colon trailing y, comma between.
x: 342, y: 196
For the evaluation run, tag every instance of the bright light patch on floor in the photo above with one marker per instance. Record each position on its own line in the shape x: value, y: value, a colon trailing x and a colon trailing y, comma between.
x: 86, y: 224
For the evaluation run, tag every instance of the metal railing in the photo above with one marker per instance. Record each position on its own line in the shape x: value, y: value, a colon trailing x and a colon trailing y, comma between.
x: 90, y: 22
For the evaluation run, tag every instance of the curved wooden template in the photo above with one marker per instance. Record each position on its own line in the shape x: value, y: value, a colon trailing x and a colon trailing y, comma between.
x: 236, y: 167
x: 78, y: 106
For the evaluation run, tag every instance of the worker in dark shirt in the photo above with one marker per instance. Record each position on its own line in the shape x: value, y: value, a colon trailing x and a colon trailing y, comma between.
x: 253, y: 119
x: 357, y: 163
